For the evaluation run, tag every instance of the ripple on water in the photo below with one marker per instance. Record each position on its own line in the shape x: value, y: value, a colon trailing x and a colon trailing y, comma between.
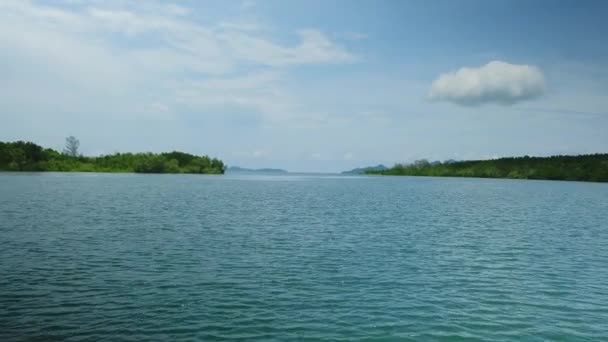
x: 188, y: 258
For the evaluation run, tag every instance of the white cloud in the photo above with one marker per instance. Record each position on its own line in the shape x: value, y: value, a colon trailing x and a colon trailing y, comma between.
x: 160, y: 35
x: 114, y: 57
x: 176, y: 10
x: 314, y: 48
x: 496, y: 82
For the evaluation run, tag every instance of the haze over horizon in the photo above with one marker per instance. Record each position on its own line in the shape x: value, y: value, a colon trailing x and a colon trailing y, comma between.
x: 307, y: 85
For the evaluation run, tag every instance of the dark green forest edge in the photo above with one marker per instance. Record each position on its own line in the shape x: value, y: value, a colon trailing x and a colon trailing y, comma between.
x: 27, y: 156
x: 589, y: 168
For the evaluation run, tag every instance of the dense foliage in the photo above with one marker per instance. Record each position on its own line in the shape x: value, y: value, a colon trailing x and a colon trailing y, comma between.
x: 591, y: 167
x: 27, y: 156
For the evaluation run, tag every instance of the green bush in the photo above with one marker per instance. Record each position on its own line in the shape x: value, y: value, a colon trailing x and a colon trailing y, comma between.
x: 591, y: 167
x: 27, y: 156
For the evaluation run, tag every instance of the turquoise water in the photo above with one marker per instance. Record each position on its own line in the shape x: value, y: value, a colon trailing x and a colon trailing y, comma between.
x: 121, y: 257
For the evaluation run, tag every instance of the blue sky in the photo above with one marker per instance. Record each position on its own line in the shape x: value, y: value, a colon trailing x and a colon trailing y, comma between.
x: 307, y: 85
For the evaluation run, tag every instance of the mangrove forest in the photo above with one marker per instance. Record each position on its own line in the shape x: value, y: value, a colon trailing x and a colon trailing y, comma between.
x: 27, y: 156
x: 590, y: 167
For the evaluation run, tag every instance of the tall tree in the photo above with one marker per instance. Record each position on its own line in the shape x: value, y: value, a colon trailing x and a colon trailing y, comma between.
x: 71, y: 146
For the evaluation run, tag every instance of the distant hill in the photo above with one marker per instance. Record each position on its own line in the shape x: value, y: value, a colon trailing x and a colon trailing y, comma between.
x: 362, y: 170
x: 264, y: 170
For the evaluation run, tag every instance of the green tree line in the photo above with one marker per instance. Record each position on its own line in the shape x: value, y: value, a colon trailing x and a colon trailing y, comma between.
x: 590, y: 167
x: 27, y: 156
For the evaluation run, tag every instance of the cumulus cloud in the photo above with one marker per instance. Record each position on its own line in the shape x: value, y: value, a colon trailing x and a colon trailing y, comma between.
x: 496, y: 82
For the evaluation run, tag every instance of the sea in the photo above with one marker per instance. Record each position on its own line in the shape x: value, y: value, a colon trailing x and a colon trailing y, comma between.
x: 290, y: 257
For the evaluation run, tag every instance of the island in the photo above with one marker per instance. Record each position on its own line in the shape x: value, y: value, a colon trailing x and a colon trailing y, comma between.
x: 264, y: 170
x: 588, y: 167
x: 363, y: 170
x: 28, y: 156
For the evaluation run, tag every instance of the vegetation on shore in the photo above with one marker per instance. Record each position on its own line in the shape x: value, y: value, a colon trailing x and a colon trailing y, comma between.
x: 363, y: 170
x: 590, y: 167
x: 27, y: 156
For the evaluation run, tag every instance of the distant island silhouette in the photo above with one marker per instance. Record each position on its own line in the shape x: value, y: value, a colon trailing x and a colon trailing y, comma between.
x: 263, y: 170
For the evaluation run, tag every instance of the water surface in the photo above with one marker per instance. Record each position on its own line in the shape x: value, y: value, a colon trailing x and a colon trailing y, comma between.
x: 124, y: 257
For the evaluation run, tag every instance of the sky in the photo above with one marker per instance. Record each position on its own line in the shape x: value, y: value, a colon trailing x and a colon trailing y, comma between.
x: 312, y: 85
